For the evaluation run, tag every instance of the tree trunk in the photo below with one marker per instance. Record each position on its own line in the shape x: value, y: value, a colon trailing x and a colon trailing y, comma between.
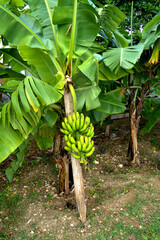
x: 79, y: 188
x: 135, y: 117
x: 57, y: 142
x: 76, y: 167
x: 66, y: 167
x: 1, y: 99
x: 133, y: 143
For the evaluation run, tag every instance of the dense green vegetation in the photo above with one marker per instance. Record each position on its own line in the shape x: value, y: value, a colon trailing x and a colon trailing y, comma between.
x: 97, y: 69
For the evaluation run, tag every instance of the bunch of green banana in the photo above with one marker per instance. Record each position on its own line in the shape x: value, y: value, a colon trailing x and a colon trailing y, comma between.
x: 78, y: 132
x: 77, y: 123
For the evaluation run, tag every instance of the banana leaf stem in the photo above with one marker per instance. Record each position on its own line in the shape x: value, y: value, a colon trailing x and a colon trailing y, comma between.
x: 132, y: 24
x: 74, y: 99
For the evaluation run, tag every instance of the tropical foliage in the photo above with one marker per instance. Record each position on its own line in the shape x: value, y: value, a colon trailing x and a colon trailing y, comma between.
x: 49, y: 47
x: 72, y: 48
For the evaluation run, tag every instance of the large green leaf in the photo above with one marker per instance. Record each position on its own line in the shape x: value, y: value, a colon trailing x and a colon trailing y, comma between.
x: 89, y: 68
x: 10, y: 172
x: 12, y: 56
x: 41, y: 61
x: 154, y: 116
x: 25, y: 30
x: 110, y: 19
x: 117, y: 58
x: 88, y: 96
x: 51, y: 117
x: 84, y: 36
x: 98, y: 116
x: 18, y: 3
x: 119, y: 40
x: 22, y: 113
x: 111, y: 102
x: 8, y: 74
x: 43, y: 10
x: 151, y: 31
x: 9, y: 141
x: 106, y: 74
x: 44, y: 136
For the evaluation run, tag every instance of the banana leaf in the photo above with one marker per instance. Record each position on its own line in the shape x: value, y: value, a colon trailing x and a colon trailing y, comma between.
x: 110, y: 19
x: 12, y: 56
x: 23, y: 31
x: 41, y: 61
x: 83, y: 37
x: 117, y: 58
x: 23, y: 112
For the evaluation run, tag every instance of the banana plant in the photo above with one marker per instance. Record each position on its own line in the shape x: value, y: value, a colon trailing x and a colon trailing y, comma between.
x: 142, y: 61
x: 50, y: 45
x: 55, y: 41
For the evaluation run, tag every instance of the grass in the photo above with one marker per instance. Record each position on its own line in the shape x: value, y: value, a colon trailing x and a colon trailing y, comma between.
x: 8, y: 200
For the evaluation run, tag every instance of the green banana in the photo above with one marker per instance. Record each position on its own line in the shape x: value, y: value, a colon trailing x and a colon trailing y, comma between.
x: 84, y: 147
x: 74, y: 116
x: 92, y: 135
x: 79, y: 146
x: 65, y: 120
x: 89, y: 146
x: 81, y: 140
x: 90, y: 131
x: 77, y: 124
x: 74, y: 125
x: 69, y: 128
x: 87, y: 121
x: 66, y: 138
x: 78, y: 132
x: 64, y: 126
x: 77, y: 115
x: 64, y: 131
x: 86, y: 124
x: 71, y: 139
x: 75, y: 155
x: 70, y: 120
x: 87, y: 140
x: 74, y: 148
x: 91, y: 152
x: 69, y: 144
x: 92, y: 127
x: 67, y: 148
x: 81, y: 121
x: 83, y: 129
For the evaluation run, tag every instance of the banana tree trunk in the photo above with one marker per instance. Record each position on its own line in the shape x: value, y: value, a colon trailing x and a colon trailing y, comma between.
x: 1, y: 99
x: 135, y: 117
x: 133, y: 152
x: 57, y: 143
x: 76, y: 167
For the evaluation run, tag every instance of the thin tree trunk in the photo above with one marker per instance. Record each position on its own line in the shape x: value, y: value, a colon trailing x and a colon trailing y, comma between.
x: 135, y: 117
x: 66, y: 167
x: 1, y: 99
x: 68, y: 110
x: 79, y: 188
x: 76, y: 167
x: 133, y: 144
x: 57, y: 143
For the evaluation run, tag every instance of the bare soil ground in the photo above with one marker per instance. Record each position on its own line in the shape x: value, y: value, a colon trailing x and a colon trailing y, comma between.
x: 120, y: 199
